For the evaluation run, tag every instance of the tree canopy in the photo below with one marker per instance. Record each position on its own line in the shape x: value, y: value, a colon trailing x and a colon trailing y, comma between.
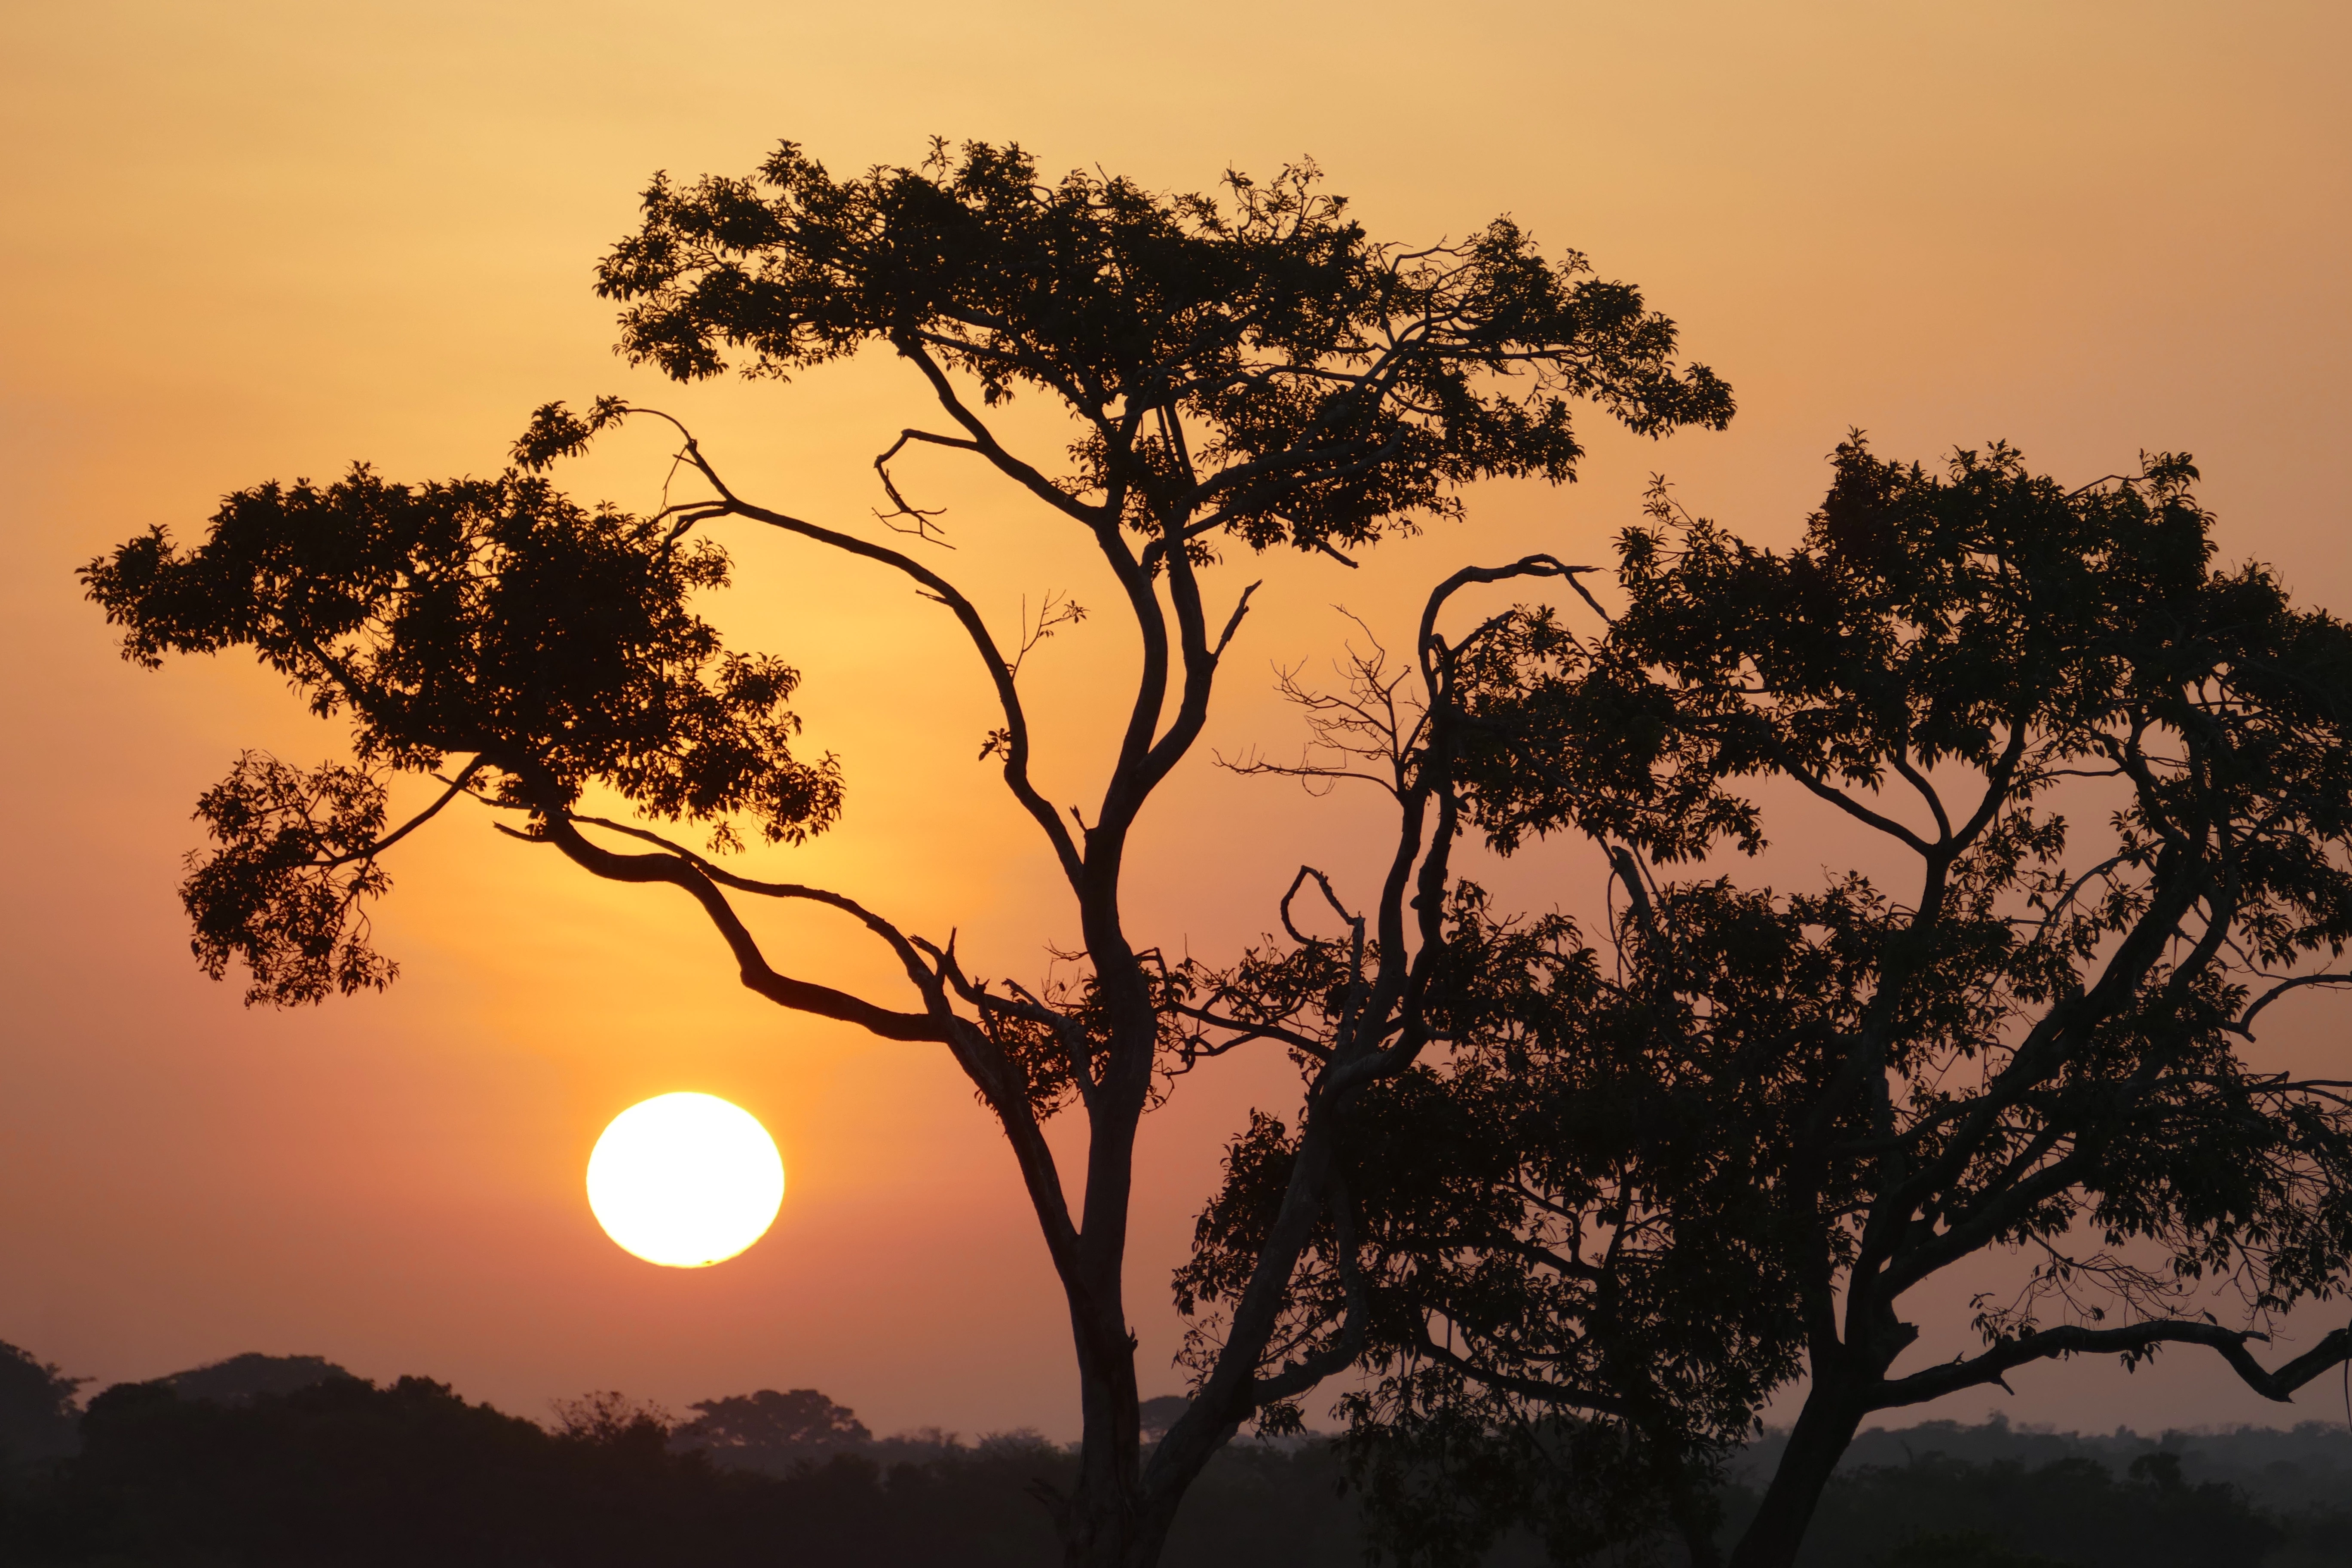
x: 802, y: 1422
x: 1658, y: 1176
x: 1236, y: 372
x: 1256, y: 366
x: 544, y: 645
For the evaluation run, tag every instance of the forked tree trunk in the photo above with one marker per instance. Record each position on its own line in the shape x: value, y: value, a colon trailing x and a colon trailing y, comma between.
x: 1104, y: 1522
x: 1824, y: 1429
x: 1101, y: 1521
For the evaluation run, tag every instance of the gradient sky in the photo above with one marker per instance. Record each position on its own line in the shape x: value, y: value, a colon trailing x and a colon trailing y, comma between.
x: 246, y: 241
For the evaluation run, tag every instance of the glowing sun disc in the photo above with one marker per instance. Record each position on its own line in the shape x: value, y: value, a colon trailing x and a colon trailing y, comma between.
x: 685, y: 1180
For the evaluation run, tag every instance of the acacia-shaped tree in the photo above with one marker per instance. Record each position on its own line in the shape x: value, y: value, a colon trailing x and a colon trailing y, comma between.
x: 771, y: 1425
x: 1653, y: 1182
x: 1239, y: 373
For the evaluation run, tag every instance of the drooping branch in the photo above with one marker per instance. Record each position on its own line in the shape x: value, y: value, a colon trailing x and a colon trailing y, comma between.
x: 902, y: 945
x: 758, y: 974
x: 2136, y: 1340
x: 921, y: 527
x: 2244, y: 1022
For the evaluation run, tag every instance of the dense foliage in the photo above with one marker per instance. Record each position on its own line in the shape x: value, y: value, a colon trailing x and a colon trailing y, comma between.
x: 1257, y: 366
x: 1655, y: 1180
x: 1230, y: 371
x: 545, y: 648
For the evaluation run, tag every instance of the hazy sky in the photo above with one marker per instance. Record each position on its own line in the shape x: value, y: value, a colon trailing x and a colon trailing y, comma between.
x: 247, y: 241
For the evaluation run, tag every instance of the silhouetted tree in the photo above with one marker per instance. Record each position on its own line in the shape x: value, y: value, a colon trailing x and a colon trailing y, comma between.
x: 37, y: 1408
x: 769, y: 1427
x: 1237, y: 374
x: 1651, y: 1182
x: 343, y: 1472
x: 340, y: 1472
x: 1157, y: 1415
x: 608, y: 1419
x: 243, y: 1377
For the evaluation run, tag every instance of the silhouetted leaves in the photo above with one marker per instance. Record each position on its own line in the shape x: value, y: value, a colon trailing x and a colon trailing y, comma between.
x: 1653, y: 1181
x: 1254, y: 363
x: 1250, y: 367
x: 545, y: 648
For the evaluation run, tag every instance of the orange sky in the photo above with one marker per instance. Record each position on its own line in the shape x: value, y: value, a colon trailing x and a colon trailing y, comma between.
x: 248, y: 240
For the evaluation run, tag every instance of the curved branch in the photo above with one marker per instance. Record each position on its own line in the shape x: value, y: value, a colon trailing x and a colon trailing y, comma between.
x: 1008, y: 697
x: 1160, y: 757
x: 2244, y: 1022
x: 1307, y: 874
x: 457, y: 787
x: 1525, y: 567
x: 1842, y: 801
x: 1246, y: 1032
x: 2136, y: 1340
x: 1918, y: 781
x: 1998, y: 783
x: 1000, y: 671
x: 984, y: 442
x: 921, y: 528
x: 899, y: 942
x: 758, y: 974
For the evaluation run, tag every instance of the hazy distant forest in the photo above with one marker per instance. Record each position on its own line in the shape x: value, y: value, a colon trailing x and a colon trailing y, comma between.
x: 1553, y: 1209
x: 288, y: 1460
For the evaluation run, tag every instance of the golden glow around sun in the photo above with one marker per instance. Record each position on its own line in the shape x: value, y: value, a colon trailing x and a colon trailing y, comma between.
x: 686, y: 1180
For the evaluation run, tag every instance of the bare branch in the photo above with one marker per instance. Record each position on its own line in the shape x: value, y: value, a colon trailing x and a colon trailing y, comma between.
x: 2135, y: 1340
x: 758, y: 974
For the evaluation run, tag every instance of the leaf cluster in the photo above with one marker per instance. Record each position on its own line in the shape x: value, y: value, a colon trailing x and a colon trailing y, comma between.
x: 1250, y: 363
x: 1569, y: 1161
x: 487, y: 632
x: 1653, y: 1177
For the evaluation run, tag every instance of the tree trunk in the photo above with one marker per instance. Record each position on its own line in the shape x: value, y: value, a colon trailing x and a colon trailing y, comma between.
x: 1825, y: 1426
x: 1105, y: 1523
x: 1102, y: 1523
x: 1110, y: 1520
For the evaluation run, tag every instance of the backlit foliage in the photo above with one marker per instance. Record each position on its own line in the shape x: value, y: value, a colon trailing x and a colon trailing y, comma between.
x: 1653, y: 1181
x: 487, y: 632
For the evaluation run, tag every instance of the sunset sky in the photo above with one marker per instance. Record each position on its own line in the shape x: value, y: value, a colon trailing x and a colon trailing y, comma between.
x: 248, y: 241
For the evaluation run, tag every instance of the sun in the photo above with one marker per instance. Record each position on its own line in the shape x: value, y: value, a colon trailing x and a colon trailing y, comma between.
x: 685, y: 1180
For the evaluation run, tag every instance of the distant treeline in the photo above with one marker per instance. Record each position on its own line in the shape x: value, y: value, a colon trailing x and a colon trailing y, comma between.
x: 2285, y: 1470
x: 196, y: 1470
x: 288, y: 1460
x: 1934, y: 1510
